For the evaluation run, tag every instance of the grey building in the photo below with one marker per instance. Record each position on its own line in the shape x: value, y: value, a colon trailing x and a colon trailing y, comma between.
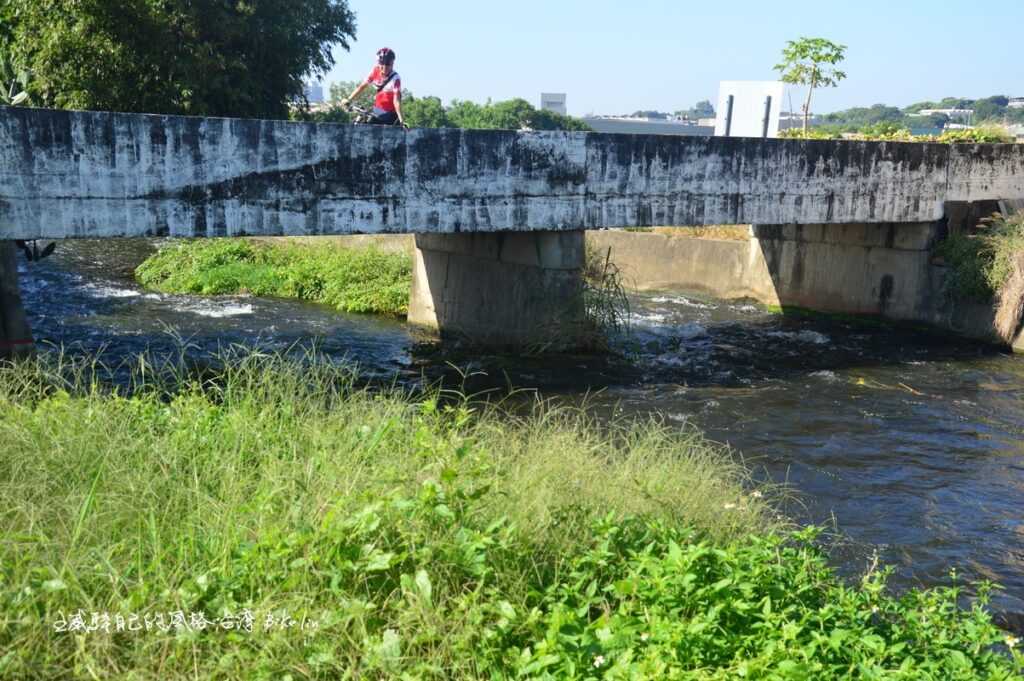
x: 553, y: 101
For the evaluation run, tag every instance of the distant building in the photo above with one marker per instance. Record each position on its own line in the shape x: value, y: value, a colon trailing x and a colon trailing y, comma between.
x: 962, y: 114
x: 314, y: 93
x: 553, y: 101
x: 630, y: 125
x: 1016, y: 103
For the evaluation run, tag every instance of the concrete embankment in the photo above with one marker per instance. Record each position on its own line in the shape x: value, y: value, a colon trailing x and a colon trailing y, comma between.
x: 881, y: 270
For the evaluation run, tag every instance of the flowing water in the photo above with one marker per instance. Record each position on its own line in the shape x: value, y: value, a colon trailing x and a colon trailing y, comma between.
x: 911, y: 445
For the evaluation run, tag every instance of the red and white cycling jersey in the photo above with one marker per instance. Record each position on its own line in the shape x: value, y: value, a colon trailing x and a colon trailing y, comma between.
x: 386, y: 96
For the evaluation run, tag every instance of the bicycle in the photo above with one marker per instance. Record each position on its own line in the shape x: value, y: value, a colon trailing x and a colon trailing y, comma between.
x: 364, y: 116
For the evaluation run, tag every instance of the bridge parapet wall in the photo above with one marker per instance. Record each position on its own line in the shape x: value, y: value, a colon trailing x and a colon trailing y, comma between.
x: 86, y: 174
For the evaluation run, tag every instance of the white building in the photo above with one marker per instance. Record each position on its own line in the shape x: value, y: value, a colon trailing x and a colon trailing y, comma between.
x: 748, y: 108
x: 553, y: 101
x: 1016, y: 103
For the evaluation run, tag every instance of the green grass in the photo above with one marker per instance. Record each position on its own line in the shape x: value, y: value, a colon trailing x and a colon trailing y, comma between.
x: 427, y: 538
x: 351, y: 280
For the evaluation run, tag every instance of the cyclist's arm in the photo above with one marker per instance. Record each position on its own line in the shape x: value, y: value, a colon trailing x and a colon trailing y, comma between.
x: 355, y: 93
x: 398, y: 106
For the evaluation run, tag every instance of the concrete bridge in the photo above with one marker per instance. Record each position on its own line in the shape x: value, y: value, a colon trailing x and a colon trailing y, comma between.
x: 499, y: 215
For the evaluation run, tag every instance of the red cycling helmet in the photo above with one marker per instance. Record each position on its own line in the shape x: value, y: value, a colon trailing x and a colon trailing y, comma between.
x: 385, y: 55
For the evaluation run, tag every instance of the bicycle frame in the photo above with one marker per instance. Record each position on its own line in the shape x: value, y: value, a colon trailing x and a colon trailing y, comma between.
x: 363, y: 116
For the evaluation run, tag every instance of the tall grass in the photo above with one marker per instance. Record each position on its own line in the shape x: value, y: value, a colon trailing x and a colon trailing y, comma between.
x: 208, y: 497
x: 429, y: 538
x: 349, y: 279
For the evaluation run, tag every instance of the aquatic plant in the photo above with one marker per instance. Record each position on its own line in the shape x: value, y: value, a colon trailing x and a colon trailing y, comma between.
x: 605, y: 300
x: 349, y: 279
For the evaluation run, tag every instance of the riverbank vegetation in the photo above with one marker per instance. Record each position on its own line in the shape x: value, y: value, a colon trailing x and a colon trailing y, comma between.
x: 275, y: 521
x: 988, y: 265
x: 891, y: 132
x: 348, y: 279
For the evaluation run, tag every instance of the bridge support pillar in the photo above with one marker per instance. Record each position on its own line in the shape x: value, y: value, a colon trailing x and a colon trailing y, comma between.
x: 503, y: 289
x: 15, y: 335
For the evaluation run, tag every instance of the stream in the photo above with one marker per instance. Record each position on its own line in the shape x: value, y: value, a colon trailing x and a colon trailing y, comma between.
x: 907, y: 444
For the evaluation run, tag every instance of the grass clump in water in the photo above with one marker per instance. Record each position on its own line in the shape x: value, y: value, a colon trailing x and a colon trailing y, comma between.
x: 982, y: 261
x: 351, y: 280
x: 424, y: 539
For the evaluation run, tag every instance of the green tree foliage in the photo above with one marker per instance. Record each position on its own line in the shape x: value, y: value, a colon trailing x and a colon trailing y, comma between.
x: 425, y: 112
x: 512, y: 114
x: 702, y: 109
x: 198, y: 57
x: 811, y: 62
x: 429, y: 112
x: 858, y: 117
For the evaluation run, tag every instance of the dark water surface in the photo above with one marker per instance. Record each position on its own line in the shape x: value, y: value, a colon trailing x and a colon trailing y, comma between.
x: 910, y: 444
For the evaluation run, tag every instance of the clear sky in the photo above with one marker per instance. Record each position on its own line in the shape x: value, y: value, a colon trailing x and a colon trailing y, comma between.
x: 619, y: 56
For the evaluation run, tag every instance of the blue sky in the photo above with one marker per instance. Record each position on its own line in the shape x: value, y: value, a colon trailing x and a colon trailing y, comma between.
x: 616, y: 57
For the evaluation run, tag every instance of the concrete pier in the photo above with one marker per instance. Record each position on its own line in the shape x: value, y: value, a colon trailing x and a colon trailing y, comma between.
x: 15, y: 335
x: 514, y: 289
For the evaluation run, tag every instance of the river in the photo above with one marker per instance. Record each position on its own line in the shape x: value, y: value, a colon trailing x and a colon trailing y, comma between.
x: 908, y: 444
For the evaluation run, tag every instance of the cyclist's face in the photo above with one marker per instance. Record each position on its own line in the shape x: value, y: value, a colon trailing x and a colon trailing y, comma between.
x: 385, y: 67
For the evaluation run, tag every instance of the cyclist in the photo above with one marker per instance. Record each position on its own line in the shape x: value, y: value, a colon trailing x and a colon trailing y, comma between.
x: 387, y: 105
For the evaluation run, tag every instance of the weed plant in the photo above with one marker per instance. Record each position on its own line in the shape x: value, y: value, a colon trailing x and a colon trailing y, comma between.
x: 413, y: 539
x: 981, y: 261
x: 606, y: 303
x: 351, y: 280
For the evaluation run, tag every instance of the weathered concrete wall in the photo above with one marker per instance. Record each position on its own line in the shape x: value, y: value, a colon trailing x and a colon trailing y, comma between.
x: 511, y: 289
x: 883, y: 270
x: 85, y: 174
x: 718, y: 268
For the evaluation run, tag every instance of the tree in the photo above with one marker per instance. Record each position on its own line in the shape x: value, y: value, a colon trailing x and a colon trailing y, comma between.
x: 424, y: 112
x: 811, y: 62
x: 702, y: 109
x: 199, y: 57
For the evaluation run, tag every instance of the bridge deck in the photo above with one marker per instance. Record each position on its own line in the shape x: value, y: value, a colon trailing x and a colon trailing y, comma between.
x: 85, y: 174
